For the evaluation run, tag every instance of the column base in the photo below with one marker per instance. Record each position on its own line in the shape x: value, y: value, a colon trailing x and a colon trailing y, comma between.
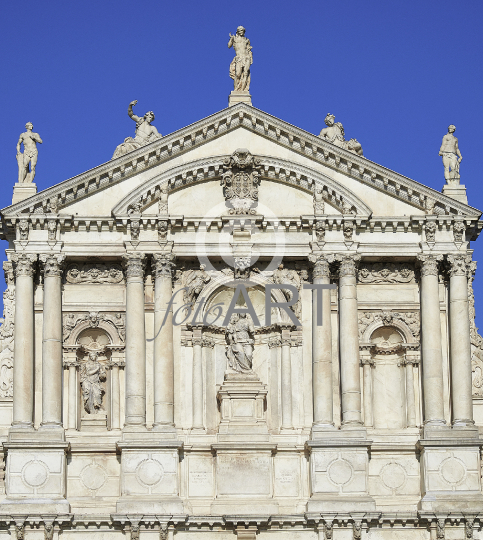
x: 149, y: 474
x: 339, y: 464
x: 239, y: 97
x: 36, y: 472
x: 450, y: 475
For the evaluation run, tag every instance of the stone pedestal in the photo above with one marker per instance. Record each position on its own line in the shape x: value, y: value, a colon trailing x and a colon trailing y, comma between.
x: 94, y: 422
x: 450, y: 475
x: 338, y: 474
x: 242, y: 398
x: 35, y: 476
x: 23, y: 191
x: 149, y: 475
x: 457, y: 192
x: 239, y: 97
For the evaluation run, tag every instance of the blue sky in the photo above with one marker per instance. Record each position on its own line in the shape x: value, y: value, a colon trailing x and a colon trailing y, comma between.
x: 395, y: 73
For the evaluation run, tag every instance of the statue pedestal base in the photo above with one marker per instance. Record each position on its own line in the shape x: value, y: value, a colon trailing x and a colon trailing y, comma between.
x: 239, y: 97
x: 94, y: 422
x: 242, y: 399
x: 23, y: 191
x: 457, y: 192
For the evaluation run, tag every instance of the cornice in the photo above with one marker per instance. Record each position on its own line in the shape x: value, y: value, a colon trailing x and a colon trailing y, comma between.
x: 216, y: 125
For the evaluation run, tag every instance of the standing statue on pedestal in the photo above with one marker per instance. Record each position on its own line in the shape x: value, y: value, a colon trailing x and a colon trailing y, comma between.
x: 334, y: 133
x: 145, y: 132
x: 240, y: 65
x: 240, y: 338
x: 29, y: 156
x: 451, y: 157
x: 92, y: 374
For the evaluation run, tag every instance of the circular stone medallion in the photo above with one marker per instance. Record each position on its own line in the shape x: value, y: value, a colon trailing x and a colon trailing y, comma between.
x: 452, y: 470
x: 35, y: 474
x: 93, y: 476
x: 149, y: 472
x: 340, y: 472
x: 393, y: 475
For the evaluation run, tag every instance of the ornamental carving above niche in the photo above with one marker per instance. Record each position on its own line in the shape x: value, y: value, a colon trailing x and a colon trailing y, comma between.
x: 116, y: 322
x: 94, y: 273
x: 240, y: 182
x: 386, y: 272
x: 386, y: 318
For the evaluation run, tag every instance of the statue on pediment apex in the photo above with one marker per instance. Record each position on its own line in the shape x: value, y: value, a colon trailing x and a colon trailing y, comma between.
x: 145, y: 132
x: 334, y: 133
x: 240, y: 65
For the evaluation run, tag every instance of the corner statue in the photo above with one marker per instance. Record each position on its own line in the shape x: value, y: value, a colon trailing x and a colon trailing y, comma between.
x: 240, y: 65
x: 29, y: 156
x: 145, y: 133
x: 451, y: 156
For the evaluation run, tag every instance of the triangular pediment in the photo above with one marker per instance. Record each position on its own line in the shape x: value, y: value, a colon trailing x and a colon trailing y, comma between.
x: 290, y: 156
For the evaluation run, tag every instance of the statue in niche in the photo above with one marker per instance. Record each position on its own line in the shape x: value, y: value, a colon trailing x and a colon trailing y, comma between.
x: 451, y: 157
x: 284, y: 276
x: 334, y: 133
x: 145, y: 132
x: 195, y: 281
x: 240, y: 339
x: 30, y: 154
x: 240, y: 65
x: 92, y: 375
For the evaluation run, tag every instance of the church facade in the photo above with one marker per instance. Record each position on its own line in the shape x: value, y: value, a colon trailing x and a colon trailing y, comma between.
x: 240, y: 329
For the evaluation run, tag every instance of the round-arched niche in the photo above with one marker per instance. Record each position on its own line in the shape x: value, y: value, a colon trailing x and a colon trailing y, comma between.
x: 389, y: 392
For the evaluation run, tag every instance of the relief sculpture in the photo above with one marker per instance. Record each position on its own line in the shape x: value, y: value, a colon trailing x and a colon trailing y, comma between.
x: 385, y: 272
x: 7, y: 335
x: 94, y: 273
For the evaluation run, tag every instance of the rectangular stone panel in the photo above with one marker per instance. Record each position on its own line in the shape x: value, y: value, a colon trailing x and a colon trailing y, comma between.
x: 243, y: 474
x: 200, y: 476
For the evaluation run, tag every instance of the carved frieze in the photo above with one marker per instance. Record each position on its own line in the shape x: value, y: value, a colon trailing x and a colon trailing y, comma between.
x: 94, y: 273
x: 386, y: 272
x: 240, y: 182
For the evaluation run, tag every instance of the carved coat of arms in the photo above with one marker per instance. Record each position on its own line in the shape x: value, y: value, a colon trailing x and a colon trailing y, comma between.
x: 240, y: 182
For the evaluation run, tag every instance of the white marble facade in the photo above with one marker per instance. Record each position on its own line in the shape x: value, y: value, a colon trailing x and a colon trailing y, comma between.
x: 116, y: 421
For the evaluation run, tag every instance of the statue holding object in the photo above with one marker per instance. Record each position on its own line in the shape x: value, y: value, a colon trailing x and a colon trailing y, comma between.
x: 334, y: 133
x: 240, y: 65
x: 145, y: 132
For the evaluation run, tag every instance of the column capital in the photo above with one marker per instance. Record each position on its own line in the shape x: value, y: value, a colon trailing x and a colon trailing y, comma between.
x: 348, y: 264
x: 429, y: 264
x: 134, y: 263
x: 23, y: 264
x: 459, y: 264
x: 164, y: 264
x: 321, y: 265
x: 52, y: 264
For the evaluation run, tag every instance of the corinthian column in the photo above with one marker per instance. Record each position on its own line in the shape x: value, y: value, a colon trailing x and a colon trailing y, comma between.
x: 197, y: 388
x: 322, y: 347
x: 163, y: 343
x: 431, y: 346
x: 286, y: 376
x: 52, y: 341
x: 135, y: 342
x: 349, y: 342
x: 459, y: 321
x: 23, y: 363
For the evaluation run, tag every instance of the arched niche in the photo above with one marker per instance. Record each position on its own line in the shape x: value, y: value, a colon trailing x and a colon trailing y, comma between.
x: 389, y: 391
